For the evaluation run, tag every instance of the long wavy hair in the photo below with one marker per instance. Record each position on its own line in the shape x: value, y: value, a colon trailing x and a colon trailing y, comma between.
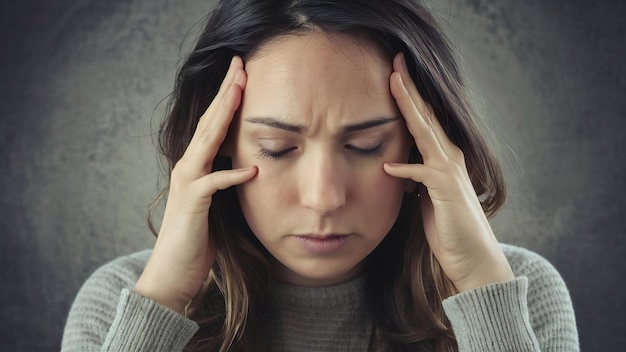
x: 405, y: 284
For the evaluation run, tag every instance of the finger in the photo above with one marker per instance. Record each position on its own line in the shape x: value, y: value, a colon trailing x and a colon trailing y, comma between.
x: 204, y: 188
x: 442, y: 185
x: 417, y: 172
x: 448, y: 147
x: 213, y: 124
x: 221, y: 180
x: 399, y: 65
x: 446, y: 144
x: 418, y: 115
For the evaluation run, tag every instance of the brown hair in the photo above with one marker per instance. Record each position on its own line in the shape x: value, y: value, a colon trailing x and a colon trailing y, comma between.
x: 405, y: 283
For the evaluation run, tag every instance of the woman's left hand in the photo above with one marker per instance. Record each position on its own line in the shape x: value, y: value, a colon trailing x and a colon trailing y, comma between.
x: 456, y: 227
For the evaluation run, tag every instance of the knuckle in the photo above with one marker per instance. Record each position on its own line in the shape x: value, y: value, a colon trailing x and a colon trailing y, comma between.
x: 219, y: 180
x: 204, y: 132
x: 177, y: 180
x: 215, y: 179
x: 183, y: 173
x: 178, y: 172
x: 431, y: 131
x: 457, y: 154
x: 428, y: 114
x: 453, y: 168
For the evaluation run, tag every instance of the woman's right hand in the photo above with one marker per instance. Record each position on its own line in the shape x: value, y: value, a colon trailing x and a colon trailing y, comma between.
x: 184, y: 252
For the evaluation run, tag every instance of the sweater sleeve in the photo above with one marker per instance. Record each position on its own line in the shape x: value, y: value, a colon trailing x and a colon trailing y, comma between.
x: 533, y: 312
x: 107, y: 316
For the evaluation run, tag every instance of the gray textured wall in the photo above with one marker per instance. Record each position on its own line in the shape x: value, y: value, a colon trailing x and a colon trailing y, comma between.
x: 81, y: 84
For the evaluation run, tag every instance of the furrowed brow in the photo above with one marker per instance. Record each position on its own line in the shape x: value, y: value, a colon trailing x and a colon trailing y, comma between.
x: 274, y: 123
x: 271, y: 122
x: 369, y: 124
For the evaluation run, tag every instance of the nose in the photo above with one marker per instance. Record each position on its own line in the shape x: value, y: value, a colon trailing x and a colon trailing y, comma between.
x: 323, y: 187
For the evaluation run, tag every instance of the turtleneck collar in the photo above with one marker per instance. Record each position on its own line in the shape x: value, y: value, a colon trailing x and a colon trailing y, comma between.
x: 349, y: 295
x: 318, y: 318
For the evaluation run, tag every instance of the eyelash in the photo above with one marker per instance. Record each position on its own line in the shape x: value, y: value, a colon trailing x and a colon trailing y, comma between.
x: 377, y: 151
x: 269, y: 154
x: 373, y: 152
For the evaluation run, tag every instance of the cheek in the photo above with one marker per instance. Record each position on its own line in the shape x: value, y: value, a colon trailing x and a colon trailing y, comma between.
x: 378, y: 198
x: 265, y: 188
x: 379, y: 188
x: 264, y: 200
x: 268, y: 189
x: 383, y: 190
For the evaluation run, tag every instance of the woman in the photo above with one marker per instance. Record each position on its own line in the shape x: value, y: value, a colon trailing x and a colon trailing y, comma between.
x: 329, y: 190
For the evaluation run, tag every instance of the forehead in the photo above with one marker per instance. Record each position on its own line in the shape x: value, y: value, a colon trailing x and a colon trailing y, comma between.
x: 318, y: 73
x: 324, y: 46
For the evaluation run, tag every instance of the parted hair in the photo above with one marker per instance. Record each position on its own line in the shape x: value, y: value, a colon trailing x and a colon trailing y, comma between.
x: 405, y: 284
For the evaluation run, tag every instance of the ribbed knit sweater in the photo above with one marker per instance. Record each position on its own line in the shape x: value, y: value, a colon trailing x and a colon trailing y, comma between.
x: 533, y: 312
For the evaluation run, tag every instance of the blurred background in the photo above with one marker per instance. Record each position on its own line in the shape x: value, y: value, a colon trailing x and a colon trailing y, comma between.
x: 82, y: 85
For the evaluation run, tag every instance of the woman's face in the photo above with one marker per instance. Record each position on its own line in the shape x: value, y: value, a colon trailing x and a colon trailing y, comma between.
x: 318, y: 119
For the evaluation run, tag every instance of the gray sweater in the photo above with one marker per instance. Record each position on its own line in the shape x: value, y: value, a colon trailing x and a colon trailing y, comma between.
x: 533, y: 312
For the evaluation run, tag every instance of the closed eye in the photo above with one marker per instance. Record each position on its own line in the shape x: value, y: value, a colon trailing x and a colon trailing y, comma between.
x: 278, y: 154
x: 272, y: 154
x: 375, y: 151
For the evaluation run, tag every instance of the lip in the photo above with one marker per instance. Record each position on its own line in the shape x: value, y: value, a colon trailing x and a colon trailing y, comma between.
x: 322, y: 244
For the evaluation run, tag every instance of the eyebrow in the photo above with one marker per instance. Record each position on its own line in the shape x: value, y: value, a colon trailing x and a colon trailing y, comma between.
x: 274, y: 123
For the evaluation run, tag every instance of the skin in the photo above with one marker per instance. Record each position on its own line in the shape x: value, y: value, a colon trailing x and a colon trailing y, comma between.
x: 317, y: 186
x: 316, y: 178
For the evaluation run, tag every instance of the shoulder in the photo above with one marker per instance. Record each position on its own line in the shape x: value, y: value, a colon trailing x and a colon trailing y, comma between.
x: 122, y: 271
x: 524, y: 261
x: 94, y: 307
x: 527, y: 263
x: 106, y: 283
x: 549, y: 303
x: 544, y: 280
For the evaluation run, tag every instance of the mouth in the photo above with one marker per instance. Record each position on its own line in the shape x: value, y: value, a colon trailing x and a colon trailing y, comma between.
x: 322, y: 244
